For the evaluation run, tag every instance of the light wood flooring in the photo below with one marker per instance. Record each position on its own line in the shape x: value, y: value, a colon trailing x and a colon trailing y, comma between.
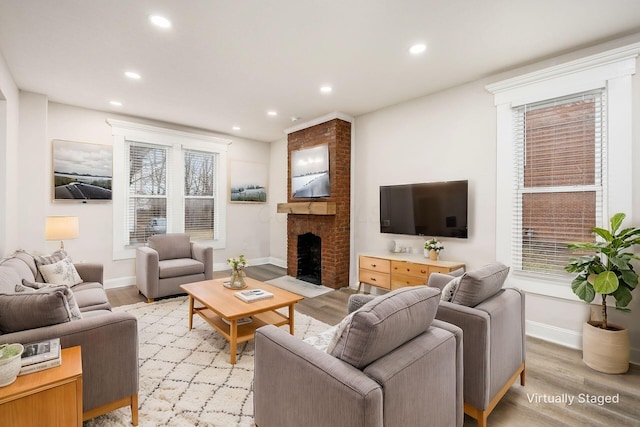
x: 553, y: 371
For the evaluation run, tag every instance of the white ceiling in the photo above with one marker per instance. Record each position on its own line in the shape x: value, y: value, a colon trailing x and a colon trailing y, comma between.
x: 226, y: 63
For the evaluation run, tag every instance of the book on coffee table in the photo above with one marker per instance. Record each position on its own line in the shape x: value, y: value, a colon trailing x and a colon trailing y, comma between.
x: 251, y: 295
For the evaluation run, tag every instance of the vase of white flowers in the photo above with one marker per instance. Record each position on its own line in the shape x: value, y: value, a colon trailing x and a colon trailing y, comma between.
x: 432, y: 248
x: 237, y: 272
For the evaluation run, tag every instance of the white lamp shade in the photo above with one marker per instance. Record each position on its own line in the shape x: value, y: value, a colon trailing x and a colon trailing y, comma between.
x: 61, y: 228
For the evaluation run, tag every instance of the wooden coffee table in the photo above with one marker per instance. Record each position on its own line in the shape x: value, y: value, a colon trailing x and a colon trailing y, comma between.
x: 220, y: 303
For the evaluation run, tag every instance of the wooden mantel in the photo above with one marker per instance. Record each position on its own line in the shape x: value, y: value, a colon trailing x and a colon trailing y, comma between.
x: 308, y: 208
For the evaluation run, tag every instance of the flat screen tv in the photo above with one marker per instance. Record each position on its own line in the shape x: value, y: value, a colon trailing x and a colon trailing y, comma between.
x: 434, y: 209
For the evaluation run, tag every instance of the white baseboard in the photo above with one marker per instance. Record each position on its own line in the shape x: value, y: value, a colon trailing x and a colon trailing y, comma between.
x: 120, y: 282
x: 277, y: 262
x: 561, y: 336
x: 566, y: 337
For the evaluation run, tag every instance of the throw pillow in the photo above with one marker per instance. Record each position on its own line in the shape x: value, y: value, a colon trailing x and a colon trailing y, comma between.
x: 74, y: 310
x: 450, y: 289
x: 478, y: 285
x: 61, y: 273
x: 30, y: 310
x: 40, y: 260
x: 339, y: 330
x: 322, y: 340
x: 56, y: 256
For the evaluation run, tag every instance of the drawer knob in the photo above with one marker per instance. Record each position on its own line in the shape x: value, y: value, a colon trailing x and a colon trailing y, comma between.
x: 408, y: 269
x: 373, y: 265
x: 373, y: 279
x: 423, y: 271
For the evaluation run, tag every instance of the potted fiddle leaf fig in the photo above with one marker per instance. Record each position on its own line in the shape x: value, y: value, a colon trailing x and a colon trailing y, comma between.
x: 606, y: 270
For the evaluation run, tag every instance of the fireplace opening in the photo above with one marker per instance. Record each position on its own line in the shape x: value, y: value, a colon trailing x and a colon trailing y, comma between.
x: 310, y: 258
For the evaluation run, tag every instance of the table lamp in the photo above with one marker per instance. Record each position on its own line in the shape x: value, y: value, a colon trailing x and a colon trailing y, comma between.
x: 61, y: 228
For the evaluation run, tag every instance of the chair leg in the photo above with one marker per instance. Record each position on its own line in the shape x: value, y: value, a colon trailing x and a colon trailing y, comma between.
x: 523, y: 375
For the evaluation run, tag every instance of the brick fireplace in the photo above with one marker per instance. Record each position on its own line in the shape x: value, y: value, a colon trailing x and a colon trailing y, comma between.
x: 325, y: 218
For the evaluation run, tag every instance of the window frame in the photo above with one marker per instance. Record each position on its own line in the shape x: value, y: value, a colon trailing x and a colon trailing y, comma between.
x: 176, y: 141
x: 611, y: 70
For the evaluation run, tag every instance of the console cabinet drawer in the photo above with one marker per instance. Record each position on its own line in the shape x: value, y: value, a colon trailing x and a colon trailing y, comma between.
x: 410, y: 269
x: 375, y: 264
x: 402, y: 280
x: 381, y: 280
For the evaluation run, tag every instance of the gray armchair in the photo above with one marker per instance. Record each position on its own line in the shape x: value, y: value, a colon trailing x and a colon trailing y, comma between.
x: 492, y: 320
x: 392, y: 365
x: 169, y: 261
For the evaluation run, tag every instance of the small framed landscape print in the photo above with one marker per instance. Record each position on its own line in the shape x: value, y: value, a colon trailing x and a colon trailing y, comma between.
x: 81, y: 171
x: 248, y: 182
x: 310, y: 172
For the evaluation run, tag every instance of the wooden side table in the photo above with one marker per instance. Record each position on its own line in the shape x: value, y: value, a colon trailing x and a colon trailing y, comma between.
x: 52, y: 397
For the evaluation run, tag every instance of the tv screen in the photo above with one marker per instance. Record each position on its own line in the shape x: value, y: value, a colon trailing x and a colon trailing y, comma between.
x: 434, y: 209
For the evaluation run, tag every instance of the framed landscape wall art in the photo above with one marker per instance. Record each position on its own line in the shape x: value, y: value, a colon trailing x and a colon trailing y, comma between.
x: 81, y: 171
x: 248, y: 182
x: 310, y: 172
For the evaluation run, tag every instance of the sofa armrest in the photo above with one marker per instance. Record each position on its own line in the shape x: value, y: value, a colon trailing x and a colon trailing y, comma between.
x: 458, y: 334
x: 90, y: 271
x: 358, y: 300
x: 475, y: 326
x: 493, y: 342
x: 290, y: 373
x: 147, y: 271
x: 109, y: 345
x: 507, y: 336
x: 424, y: 366
x: 204, y: 254
x: 439, y: 280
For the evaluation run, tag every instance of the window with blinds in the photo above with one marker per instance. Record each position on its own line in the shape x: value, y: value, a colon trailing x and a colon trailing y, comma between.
x: 147, y: 195
x: 560, y: 153
x: 199, y: 194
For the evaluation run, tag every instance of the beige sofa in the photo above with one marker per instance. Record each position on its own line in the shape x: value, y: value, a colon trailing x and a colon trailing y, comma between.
x: 393, y: 365
x: 109, y: 340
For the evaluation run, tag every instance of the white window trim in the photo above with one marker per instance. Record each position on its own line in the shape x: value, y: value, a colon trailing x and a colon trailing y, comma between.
x: 611, y: 70
x: 123, y: 131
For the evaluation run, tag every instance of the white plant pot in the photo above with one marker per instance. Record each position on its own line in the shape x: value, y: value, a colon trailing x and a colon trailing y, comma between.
x: 10, y: 367
x: 605, y: 350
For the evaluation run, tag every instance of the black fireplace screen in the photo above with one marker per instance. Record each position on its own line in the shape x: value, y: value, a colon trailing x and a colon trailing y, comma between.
x: 310, y: 258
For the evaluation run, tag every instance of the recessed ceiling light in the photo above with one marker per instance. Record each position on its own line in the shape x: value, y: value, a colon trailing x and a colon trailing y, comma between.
x: 132, y: 75
x: 326, y: 89
x: 160, y: 21
x: 272, y: 113
x: 116, y: 103
x: 236, y: 128
x: 417, y: 49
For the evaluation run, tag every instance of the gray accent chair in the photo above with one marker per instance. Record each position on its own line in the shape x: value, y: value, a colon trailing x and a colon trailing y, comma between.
x: 171, y: 260
x: 109, y: 340
x: 492, y: 319
x: 392, y: 365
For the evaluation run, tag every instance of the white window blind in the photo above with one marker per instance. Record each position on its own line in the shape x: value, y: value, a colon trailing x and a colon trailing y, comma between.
x: 147, y: 191
x: 560, y: 158
x: 200, y: 214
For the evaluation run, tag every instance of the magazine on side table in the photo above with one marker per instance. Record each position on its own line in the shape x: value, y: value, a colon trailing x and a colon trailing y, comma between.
x: 41, y: 355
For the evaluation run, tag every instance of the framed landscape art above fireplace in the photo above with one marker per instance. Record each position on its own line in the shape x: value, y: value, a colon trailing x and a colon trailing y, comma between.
x: 310, y: 172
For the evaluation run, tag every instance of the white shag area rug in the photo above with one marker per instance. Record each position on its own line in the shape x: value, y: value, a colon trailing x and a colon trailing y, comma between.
x: 185, y: 376
x: 300, y: 287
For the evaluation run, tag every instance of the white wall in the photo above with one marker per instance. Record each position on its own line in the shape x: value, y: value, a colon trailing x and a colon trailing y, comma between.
x: 278, y: 194
x: 451, y: 135
x: 42, y: 121
x: 9, y: 105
